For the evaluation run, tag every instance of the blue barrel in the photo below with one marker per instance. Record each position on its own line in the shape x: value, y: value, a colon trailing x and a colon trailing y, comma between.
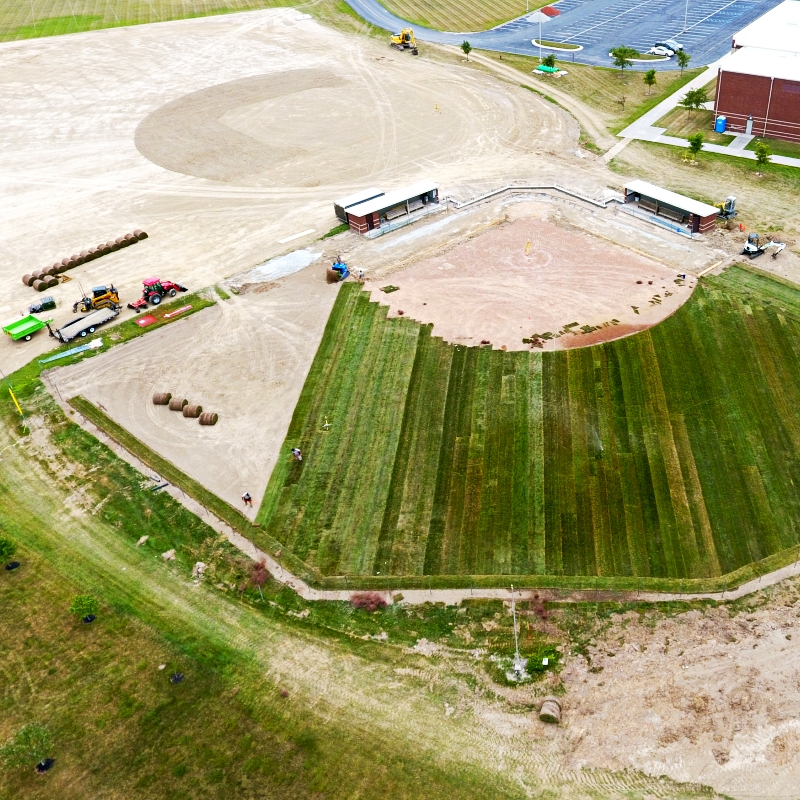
x: 721, y: 124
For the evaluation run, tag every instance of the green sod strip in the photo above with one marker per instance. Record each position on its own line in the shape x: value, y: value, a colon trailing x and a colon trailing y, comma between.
x: 669, y: 456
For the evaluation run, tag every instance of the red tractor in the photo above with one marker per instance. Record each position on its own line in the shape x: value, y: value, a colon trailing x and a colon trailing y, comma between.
x: 155, y: 290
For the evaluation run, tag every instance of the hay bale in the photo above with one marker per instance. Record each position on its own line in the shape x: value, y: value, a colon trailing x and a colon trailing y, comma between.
x: 39, y: 286
x: 65, y: 262
x: 191, y: 411
x: 139, y: 234
x: 209, y: 418
x: 550, y: 710
x: 28, y: 280
x: 111, y: 247
x: 162, y: 398
x: 50, y: 282
x: 76, y: 259
x: 177, y: 403
x: 130, y: 238
x: 49, y: 271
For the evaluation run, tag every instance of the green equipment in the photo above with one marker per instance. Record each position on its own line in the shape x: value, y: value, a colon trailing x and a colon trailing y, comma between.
x: 25, y: 328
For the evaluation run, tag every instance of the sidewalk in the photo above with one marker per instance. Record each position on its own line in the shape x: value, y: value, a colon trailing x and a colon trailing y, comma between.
x: 645, y: 129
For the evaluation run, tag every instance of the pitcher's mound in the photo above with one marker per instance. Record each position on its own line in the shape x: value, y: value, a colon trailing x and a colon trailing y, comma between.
x: 530, y: 279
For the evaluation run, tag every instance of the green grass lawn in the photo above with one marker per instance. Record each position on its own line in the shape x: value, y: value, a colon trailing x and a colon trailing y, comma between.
x: 456, y: 15
x: 55, y: 17
x: 778, y: 147
x: 683, y: 123
x: 673, y: 453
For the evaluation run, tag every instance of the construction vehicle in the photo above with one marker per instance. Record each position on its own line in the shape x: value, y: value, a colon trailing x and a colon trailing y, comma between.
x: 25, y: 328
x: 727, y: 210
x: 338, y: 272
x: 405, y: 39
x: 754, y: 249
x: 154, y: 291
x: 85, y: 325
x: 101, y: 297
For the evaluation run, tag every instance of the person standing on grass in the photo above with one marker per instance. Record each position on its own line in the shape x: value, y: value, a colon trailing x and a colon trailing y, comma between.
x: 248, y: 501
x: 298, y: 456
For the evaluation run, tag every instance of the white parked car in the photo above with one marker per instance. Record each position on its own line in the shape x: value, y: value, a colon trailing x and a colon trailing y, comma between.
x: 658, y: 50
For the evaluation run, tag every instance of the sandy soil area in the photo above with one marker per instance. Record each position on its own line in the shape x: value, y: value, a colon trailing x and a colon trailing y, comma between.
x: 703, y: 697
x: 223, y: 136
x: 531, y: 275
x: 247, y: 359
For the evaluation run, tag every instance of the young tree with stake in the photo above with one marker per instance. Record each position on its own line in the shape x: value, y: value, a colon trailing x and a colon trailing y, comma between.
x: 549, y: 60
x: 649, y: 79
x: 763, y: 154
x: 7, y: 550
x: 695, y: 144
x: 259, y: 576
x: 683, y: 59
x: 466, y: 47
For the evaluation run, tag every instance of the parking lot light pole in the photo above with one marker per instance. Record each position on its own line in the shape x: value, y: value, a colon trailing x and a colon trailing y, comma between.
x: 685, y: 16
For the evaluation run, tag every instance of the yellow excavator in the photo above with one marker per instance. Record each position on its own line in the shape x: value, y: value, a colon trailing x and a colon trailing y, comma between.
x: 405, y: 39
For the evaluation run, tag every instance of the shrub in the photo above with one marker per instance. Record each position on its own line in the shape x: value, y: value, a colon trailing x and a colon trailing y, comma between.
x: 84, y: 604
x: 7, y: 550
x: 29, y: 746
x: 371, y: 601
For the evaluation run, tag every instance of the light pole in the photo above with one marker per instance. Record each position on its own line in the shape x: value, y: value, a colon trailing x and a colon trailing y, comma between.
x: 685, y: 15
x: 540, y: 41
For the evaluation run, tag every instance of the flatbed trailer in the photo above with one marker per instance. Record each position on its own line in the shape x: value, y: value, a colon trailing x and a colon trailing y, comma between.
x: 25, y: 328
x: 83, y: 326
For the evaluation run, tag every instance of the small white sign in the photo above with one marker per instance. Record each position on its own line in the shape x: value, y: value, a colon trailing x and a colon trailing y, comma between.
x: 545, y: 662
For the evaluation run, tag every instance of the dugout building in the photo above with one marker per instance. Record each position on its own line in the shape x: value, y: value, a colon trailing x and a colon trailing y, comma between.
x: 758, y: 86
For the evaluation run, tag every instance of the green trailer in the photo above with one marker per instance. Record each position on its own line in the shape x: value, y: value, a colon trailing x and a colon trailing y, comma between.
x: 25, y: 328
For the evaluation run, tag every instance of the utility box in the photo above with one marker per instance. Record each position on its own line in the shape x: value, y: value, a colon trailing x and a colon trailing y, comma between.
x: 721, y: 124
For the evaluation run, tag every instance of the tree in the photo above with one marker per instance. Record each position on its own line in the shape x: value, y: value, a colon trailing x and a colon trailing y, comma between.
x: 683, y: 59
x: 649, y: 79
x: 7, y: 550
x: 83, y: 605
x: 467, y: 48
x: 695, y: 144
x: 763, y: 154
x: 549, y: 60
x: 622, y: 56
x: 30, y: 746
x: 694, y: 99
x: 259, y: 575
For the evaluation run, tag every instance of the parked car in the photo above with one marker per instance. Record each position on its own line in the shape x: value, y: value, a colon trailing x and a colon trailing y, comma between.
x: 658, y: 50
x: 670, y: 44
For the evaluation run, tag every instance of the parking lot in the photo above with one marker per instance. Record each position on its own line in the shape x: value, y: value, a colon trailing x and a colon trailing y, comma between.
x: 703, y: 27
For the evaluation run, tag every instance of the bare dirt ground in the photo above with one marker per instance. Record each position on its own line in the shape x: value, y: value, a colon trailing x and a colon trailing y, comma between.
x: 223, y: 136
x: 529, y: 276
x: 709, y: 697
x: 247, y: 359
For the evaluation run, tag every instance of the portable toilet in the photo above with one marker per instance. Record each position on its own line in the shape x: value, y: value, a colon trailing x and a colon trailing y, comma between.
x: 721, y: 124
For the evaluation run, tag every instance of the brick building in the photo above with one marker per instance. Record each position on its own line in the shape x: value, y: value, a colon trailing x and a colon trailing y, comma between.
x: 758, y: 86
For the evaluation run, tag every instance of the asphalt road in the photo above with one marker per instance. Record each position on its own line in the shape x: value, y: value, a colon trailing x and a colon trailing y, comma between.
x: 598, y: 25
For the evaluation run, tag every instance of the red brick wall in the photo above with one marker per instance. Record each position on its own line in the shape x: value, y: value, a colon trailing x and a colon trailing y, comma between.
x: 776, y: 114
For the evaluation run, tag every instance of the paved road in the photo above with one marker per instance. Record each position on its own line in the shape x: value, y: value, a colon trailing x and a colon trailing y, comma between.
x: 598, y: 25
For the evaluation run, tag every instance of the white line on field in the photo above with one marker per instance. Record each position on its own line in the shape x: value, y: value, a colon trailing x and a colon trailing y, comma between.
x: 296, y: 236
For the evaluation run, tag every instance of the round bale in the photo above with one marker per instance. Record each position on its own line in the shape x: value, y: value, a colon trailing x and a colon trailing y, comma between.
x: 121, y: 241
x: 27, y: 279
x: 48, y: 271
x: 192, y: 411
x: 65, y: 262
x: 51, y: 281
x: 550, y: 710
x: 162, y: 398
x: 209, y: 418
x: 77, y: 259
x: 177, y: 403
x: 139, y: 234
x: 39, y: 286
x: 130, y: 238
x: 111, y: 247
